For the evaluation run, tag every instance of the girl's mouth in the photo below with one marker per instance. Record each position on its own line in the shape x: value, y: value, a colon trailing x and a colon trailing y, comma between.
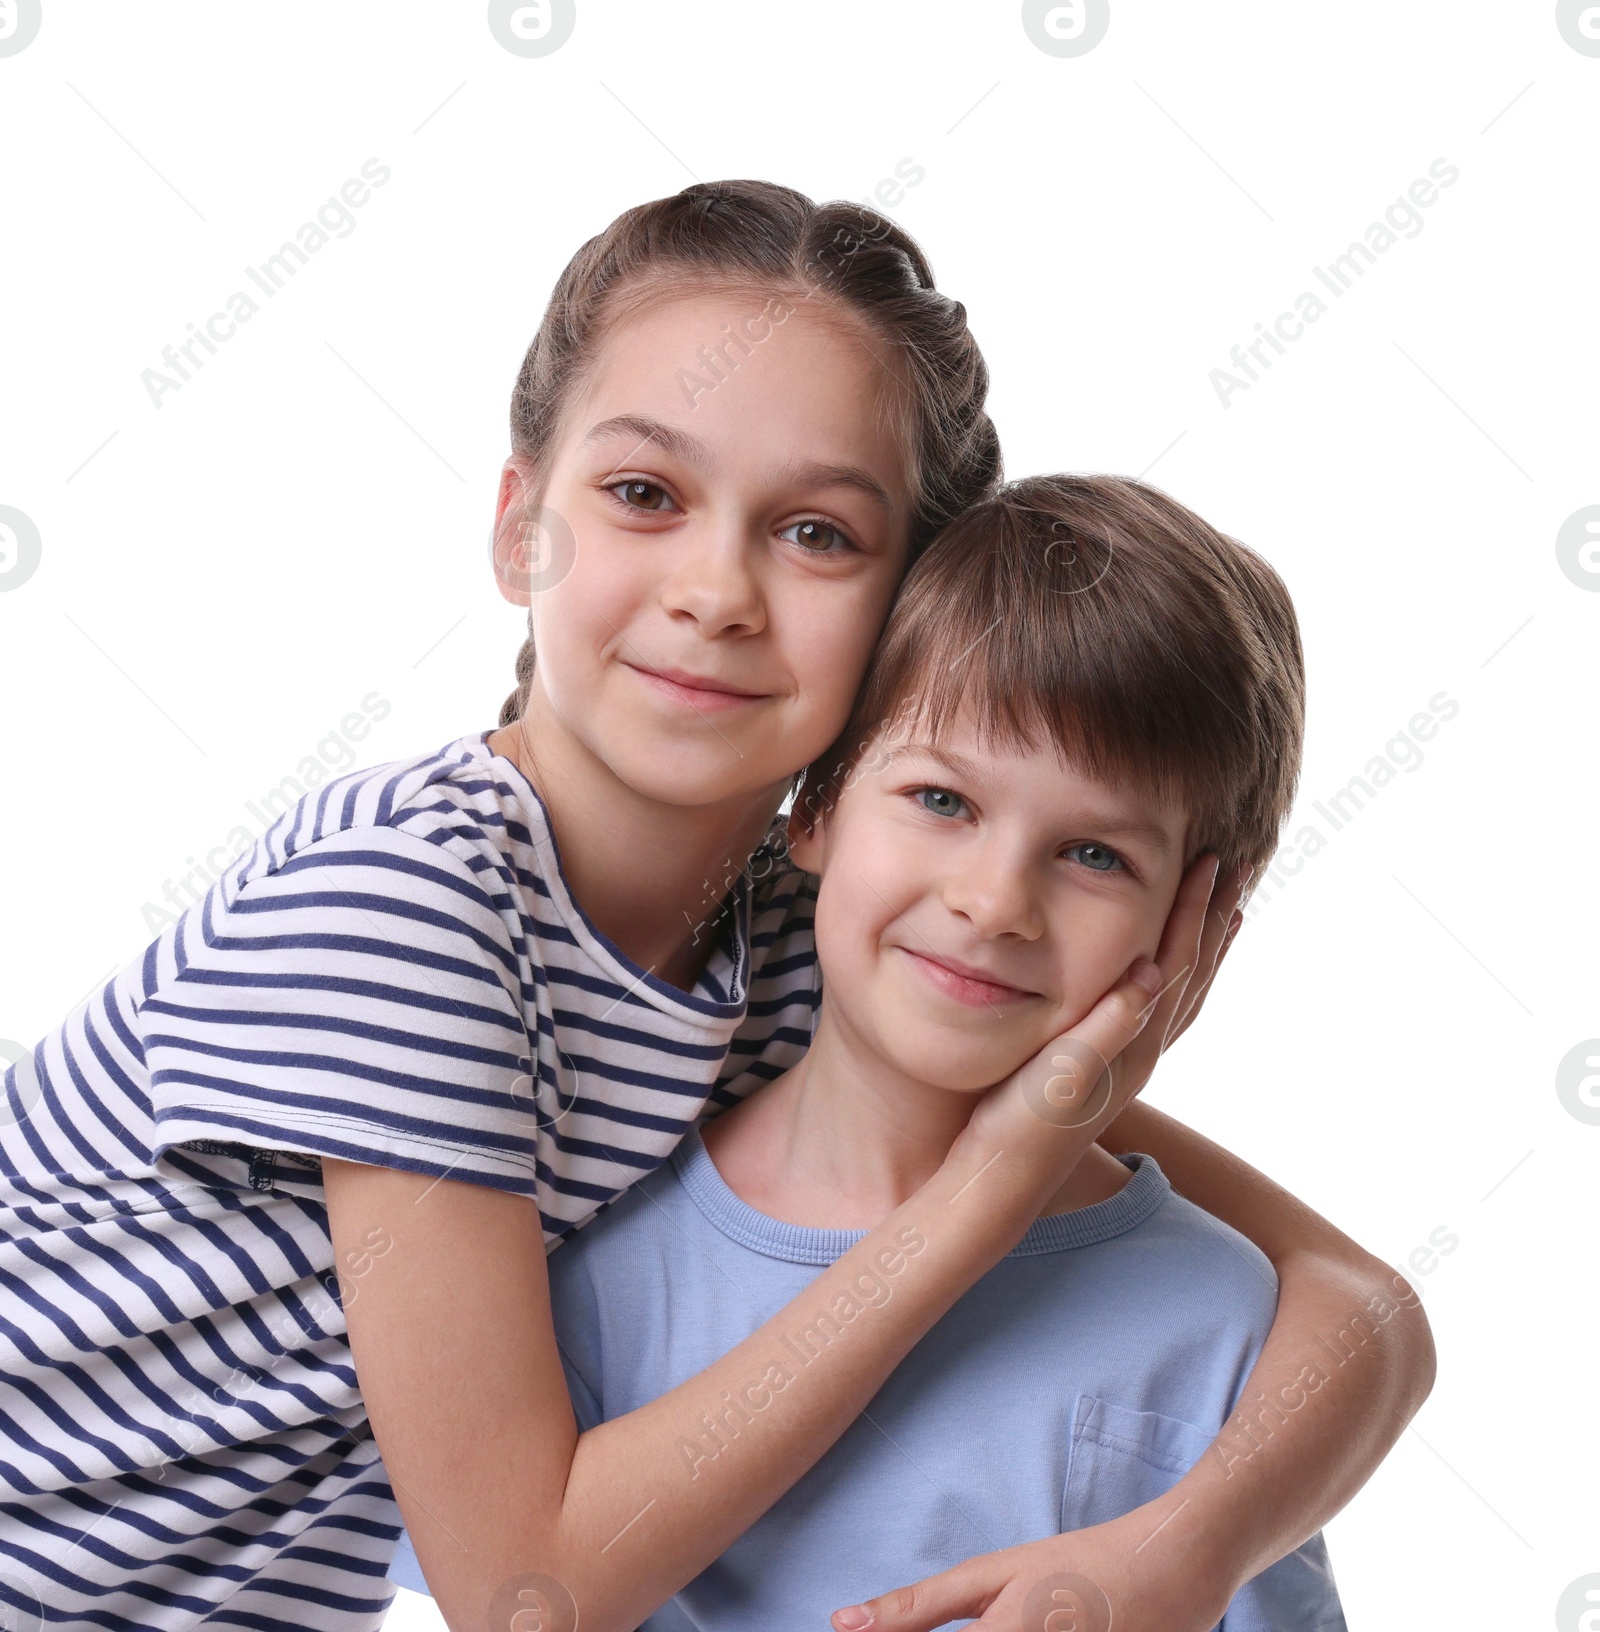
x: 703, y: 693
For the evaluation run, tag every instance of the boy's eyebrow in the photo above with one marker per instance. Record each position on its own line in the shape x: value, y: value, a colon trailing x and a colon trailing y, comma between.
x: 957, y: 764
x: 692, y: 451
x: 1103, y: 821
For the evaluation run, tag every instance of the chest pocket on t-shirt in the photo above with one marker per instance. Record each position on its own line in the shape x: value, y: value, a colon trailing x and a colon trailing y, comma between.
x: 1121, y: 1459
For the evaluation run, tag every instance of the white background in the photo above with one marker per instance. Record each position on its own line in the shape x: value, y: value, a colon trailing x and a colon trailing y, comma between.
x: 304, y: 523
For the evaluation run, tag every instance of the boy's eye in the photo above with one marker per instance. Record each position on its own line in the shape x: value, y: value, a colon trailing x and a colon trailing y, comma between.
x: 940, y: 801
x: 1098, y: 858
x: 642, y: 495
x: 817, y: 536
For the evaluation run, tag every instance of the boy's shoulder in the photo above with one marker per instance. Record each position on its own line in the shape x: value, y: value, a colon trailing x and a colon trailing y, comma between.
x: 1151, y: 1249
x: 1217, y: 1261
x: 1145, y: 1276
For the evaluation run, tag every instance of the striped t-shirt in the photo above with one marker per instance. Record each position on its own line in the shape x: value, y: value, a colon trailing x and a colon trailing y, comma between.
x: 394, y: 974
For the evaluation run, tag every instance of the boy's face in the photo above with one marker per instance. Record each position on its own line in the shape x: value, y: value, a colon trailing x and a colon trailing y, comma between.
x: 977, y: 902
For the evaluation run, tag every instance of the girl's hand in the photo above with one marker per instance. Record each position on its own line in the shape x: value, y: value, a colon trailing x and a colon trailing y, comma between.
x: 1085, y: 1581
x: 1067, y: 1086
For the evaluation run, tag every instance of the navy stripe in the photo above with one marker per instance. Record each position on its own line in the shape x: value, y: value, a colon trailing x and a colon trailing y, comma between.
x: 393, y: 973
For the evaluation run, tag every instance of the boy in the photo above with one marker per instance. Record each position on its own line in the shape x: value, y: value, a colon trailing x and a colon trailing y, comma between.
x: 1082, y: 687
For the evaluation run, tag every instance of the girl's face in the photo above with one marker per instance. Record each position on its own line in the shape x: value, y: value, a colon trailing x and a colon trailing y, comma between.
x: 739, y: 512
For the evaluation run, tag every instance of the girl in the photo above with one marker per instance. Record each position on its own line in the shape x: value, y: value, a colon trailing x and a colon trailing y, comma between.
x: 446, y: 1009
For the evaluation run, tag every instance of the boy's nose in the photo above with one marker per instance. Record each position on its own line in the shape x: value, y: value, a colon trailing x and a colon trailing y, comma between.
x: 993, y: 894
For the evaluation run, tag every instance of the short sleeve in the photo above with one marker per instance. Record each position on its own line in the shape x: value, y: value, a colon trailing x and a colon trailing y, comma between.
x: 361, y: 1001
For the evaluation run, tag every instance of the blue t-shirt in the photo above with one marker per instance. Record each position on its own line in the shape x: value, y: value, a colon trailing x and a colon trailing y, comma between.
x: 1078, y: 1379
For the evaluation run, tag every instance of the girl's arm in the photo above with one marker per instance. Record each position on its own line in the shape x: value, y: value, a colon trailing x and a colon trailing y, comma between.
x: 1310, y: 1431
x: 448, y: 1309
x: 1334, y: 1298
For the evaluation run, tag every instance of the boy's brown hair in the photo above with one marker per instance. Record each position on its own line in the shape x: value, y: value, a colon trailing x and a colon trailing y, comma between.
x: 1100, y: 616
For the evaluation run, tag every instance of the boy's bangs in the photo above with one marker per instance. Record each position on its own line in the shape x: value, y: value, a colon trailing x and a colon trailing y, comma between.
x: 1034, y: 677
x: 1098, y: 619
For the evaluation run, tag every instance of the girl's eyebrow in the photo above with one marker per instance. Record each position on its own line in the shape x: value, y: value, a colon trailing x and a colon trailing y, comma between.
x: 693, y: 451
x: 680, y: 444
x: 821, y: 475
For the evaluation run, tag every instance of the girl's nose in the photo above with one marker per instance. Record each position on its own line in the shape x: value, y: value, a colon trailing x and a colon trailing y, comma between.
x: 713, y: 582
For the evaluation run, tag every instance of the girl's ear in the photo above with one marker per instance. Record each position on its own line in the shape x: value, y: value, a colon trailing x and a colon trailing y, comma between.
x: 509, y: 546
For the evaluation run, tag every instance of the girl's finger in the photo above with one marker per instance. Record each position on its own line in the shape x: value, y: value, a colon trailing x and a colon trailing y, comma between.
x: 1222, y: 923
x: 1196, y: 997
x: 1184, y: 934
x: 956, y: 1595
x: 1069, y: 1084
x: 1176, y: 957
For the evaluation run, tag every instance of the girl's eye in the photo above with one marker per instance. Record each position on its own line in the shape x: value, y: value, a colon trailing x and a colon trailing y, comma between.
x: 940, y: 801
x: 1097, y: 858
x: 642, y: 495
x: 817, y: 537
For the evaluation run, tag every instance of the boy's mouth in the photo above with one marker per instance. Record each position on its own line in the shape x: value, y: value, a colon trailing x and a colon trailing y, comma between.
x: 701, y: 692
x: 963, y: 983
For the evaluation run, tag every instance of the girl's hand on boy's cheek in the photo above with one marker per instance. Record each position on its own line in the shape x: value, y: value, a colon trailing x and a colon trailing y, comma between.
x: 1066, y: 1084
x: 1224, y: 918
x: 1090, y: 1580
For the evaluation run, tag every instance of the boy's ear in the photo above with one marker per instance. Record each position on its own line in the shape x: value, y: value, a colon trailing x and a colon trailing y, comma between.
x: 805, y: 837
